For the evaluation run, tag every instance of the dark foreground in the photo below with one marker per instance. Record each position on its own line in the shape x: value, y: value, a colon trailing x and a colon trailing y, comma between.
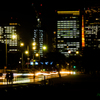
x: 72, y: 86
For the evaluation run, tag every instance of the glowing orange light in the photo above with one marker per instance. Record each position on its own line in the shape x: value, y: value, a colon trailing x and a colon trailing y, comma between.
x: 83, y: 39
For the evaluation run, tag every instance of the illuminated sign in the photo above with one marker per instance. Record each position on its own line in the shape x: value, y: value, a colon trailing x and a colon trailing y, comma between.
x: 13, y: 24
x: 83, y: 39
x: 69, y: 12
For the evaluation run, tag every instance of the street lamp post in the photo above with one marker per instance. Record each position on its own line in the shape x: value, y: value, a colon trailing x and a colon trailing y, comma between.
x: 6, y: 51
x: 27, y: 52
x: 44, y: 48
x: 21, y: 45
x: 13, y: 37
x: 77, y: 52
x: 34, y: 48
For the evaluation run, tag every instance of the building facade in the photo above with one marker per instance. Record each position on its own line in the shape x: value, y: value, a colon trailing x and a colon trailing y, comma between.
x: 38, y: 40
x: 92, y: 26
x: 68, y: 32
x: 10, y: 33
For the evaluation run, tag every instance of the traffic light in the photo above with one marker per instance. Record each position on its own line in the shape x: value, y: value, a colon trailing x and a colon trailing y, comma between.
x: 74, y: 66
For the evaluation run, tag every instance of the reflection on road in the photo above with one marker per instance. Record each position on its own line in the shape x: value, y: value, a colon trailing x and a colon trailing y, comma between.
x: 28, y: 77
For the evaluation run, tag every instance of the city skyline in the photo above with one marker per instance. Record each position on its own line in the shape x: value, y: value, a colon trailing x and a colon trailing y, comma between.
x: 25, y: 14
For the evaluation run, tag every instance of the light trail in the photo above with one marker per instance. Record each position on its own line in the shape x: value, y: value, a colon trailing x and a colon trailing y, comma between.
x: 37, y: 74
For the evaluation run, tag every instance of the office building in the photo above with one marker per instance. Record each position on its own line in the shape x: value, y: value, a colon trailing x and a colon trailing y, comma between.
x: 92, y: 26
x: 10, y: 32
x: 38, y: 40
x: 68, y: 32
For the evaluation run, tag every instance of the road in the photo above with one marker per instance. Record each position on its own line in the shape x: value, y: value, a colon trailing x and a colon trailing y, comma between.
x: 73, y: 85
x: 28, y: 77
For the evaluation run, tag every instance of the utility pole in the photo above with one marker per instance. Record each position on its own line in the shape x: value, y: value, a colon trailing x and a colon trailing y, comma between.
x: 28, y: 56
x: 6, y: 51
x: 22, y: 60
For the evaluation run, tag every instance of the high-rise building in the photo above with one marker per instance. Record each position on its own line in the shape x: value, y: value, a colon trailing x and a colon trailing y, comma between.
x: 92, y: 26
x: 68, y: 32
x: 10, y: 33
x: 38, y: 40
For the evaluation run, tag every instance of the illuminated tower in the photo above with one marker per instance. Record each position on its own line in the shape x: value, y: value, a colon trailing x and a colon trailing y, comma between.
x: 38, y: 37
x: 68, y: 32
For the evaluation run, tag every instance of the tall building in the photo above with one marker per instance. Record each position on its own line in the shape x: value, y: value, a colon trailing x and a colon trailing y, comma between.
x: 92, y: 26
x: 38, y: 37
x: 68, y: 32
x: 10, y: 32
x: 38, y: 40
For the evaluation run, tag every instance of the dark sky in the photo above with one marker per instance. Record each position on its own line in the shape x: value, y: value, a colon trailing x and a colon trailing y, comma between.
x: 26, y: 14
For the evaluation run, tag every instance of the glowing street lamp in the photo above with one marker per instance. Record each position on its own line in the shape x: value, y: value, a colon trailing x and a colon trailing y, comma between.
x: 21, y: 44
x: 33, y: 43
x: 14, y: 36
x: 34, y: 48
x: 26, y: 52
x: 77, y: 52
x: 69, y: 51
x: 44, y: 47
x: 37, y: 54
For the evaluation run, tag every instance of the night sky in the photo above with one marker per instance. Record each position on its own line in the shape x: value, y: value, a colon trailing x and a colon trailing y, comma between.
x: 25, y: 14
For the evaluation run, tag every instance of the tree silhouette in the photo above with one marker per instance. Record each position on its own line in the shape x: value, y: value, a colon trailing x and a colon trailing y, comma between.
x: 57, y: 58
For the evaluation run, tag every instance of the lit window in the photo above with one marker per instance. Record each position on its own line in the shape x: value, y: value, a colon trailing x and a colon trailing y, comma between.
x: 62, y: 40
x: 89, y: 39
x: 98, y: 39
x: 58, y: 40
x: 94, y: 45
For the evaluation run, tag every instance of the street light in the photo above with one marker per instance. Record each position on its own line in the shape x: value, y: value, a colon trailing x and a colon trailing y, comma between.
x: 77, y: 52
x: 37, y: 54
x: 33, y: 43
x: 14, y: 36
x: 33, y: 48
x: 44, y: 47
x: 26, y: 52
x: 69, y: 51
x: 21, y: 45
